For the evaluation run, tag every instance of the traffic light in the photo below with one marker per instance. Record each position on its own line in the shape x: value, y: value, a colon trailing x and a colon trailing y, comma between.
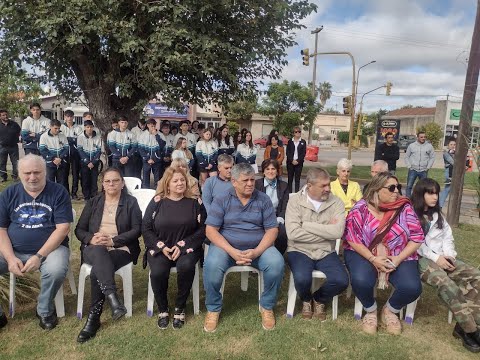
x: 347, y: 105
x: 305, y: 56
x: 389, y: 88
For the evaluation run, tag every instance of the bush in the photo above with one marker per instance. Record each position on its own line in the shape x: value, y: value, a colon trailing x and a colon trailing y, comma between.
x: 433, y: 132
x: 343, y: 137
x: 233, y: 127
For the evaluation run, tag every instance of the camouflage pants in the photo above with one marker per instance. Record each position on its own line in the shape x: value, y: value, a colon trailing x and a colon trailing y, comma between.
x: 459, y: 290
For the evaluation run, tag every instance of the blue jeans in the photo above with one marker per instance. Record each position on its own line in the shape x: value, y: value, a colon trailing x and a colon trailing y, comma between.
x: 302, y: 267
x: 53, y: 272
x: 412, y: 176
x: 217, y: 263
x: 363, y: 276
x: 446, y: 190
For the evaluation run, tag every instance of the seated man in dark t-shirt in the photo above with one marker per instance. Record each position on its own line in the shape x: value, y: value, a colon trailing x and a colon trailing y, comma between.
x: 242, y: 228
x: 35, y: 217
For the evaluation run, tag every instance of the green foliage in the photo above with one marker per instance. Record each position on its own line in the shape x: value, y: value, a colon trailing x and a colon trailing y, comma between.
x: 233, y: 127
x: 434, y: 133
x: 241, y: 110
x: 325, y: 91
x: 343, y: 137
x: 185, y: 52
x: 18, y: 90
x: 291, y: 104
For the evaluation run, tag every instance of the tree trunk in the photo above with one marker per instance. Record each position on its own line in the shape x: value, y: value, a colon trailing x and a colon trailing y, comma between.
x: 464, y: 130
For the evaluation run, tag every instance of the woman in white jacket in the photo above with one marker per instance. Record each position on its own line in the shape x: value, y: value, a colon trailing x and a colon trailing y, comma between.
x: 457, y: 283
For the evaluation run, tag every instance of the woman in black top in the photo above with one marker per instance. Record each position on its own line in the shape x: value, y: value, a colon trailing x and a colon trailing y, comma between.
x: 108, y: 228
x: 173, y: 231
x: 277, y: 191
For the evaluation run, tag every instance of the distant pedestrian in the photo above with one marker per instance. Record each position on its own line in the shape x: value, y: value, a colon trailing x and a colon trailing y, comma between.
x: 389, y: 152
x: 9, y: 137
x: 32, y: 128
x: 296, y: 151
x: 419, y: 159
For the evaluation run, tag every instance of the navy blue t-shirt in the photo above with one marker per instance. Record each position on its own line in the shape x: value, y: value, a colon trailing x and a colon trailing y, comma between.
x: 30, y: 222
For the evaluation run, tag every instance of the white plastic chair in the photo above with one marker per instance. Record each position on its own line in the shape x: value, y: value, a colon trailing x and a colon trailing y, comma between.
x: 124, y: 272
x: 132, y: 183
x: 317, y: 276
x: 195, y: 291
x: 244, y: 271
x: 59, y: 300
x: 143, y: 196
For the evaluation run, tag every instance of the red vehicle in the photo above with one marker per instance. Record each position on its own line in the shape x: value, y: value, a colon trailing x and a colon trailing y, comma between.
x: 262, y: 142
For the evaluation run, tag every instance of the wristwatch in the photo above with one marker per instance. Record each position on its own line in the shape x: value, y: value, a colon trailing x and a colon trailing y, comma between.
x: 41, y: 257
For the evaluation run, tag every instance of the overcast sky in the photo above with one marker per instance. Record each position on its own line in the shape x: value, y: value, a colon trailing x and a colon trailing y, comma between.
x: 420, y: 46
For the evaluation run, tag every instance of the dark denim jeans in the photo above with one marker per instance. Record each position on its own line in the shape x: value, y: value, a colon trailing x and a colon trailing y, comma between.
x: 363, y: 276
x: 6, y: 152
x: 412, y: 176
x: 302, y: 267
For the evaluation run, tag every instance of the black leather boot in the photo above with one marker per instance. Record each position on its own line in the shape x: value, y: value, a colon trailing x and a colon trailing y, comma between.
x: 93, y: 322
x: 118, y: 310
x: 90, y: 329
x: 468, y: 341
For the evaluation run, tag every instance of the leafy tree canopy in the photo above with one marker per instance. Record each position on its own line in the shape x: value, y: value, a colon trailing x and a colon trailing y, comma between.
x: 241, y: 110
x: 121, y: 53
x: 292, y: 104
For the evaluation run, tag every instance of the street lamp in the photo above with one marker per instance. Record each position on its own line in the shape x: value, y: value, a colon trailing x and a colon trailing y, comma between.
x: 356, y: 88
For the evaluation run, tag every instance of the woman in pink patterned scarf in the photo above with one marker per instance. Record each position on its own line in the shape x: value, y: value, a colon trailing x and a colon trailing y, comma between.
x: 381, y: 238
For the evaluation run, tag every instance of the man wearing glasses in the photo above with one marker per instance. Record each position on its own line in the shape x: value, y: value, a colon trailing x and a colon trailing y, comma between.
x: 296, y: 151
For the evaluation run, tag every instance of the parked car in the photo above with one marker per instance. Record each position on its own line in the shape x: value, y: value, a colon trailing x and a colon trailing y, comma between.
x: 405, y: 140
x: 262, y: 142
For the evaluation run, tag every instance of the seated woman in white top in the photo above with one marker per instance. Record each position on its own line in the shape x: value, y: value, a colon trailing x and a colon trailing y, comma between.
x: 457, y: 283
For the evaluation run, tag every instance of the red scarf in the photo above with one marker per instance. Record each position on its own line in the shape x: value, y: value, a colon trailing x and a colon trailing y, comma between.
x: 391, y: 213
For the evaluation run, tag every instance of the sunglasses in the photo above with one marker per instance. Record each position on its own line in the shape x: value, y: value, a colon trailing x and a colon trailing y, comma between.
x: 392, y: 188
x: 296, y: 132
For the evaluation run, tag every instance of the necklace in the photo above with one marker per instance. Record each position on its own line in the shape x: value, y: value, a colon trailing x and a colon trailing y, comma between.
x: 111, y: 208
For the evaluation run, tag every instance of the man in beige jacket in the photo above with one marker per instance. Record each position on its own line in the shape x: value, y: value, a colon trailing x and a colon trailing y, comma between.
x: 314, y: 220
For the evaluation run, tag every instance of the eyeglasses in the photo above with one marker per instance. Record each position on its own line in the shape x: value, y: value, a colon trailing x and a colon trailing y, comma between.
x: 392, y: 188
x: 296, y: 131
x: 114, y: 181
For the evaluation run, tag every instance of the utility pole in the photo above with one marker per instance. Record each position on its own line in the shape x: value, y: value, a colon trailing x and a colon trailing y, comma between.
x: 314, y: 80
x: 464, y: 129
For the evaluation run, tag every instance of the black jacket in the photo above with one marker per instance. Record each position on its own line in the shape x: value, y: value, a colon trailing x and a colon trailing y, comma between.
x: 302, y: 151
x: 9, y: 134
x: 390, y: 154
x: 128, y: 219
x: 282, y: 195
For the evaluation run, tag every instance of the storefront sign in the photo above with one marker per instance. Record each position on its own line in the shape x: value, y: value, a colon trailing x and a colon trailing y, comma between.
x: 385, y: 126
x: 455, y: 115
x: 162, y: 111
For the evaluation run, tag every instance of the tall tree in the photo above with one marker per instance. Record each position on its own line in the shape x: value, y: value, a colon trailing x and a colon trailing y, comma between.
x: 292, y: 104
x: 241, y: 110
x: 120, y: 53
x: 325, y: 91
x: 465, y: 125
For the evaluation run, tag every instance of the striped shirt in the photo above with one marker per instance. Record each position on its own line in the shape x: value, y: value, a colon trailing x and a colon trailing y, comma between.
x: 361, y: 227
x: 242, y: 226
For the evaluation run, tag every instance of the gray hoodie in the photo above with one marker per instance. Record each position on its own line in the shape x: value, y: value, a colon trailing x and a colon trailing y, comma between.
x: 420, y: 157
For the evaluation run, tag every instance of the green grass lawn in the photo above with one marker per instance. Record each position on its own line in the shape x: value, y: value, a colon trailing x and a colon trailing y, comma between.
x: 239, y: 335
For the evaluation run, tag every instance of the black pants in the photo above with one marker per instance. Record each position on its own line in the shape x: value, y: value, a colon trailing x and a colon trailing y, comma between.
x: 58, y: 175
x: 282, y: 240
x: 89, y: 181
x: 5, y: 152
x: 127, y: 169
x: 32, y: 151
x: 137, y: 165
x: 104, y: 264
x: 294, y: 172
x: 160, y: 271
x: 147, y: 169
x: 73, y: 164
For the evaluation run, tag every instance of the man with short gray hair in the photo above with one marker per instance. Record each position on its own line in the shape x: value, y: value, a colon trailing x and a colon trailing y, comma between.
x: 314, y: 221
x: 242, y: 228
x: 377, y: 167
x: 35, y: 217
x: 220, y: 184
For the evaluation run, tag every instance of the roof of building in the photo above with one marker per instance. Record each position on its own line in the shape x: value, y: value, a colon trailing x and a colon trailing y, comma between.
x: 412, y: 111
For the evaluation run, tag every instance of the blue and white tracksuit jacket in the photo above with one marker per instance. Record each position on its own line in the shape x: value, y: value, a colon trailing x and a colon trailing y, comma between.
x: 89, y: 148
x: 151, y: 147
x: 53, y: 146
x: 121, y: 144
x: 30, y: 125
